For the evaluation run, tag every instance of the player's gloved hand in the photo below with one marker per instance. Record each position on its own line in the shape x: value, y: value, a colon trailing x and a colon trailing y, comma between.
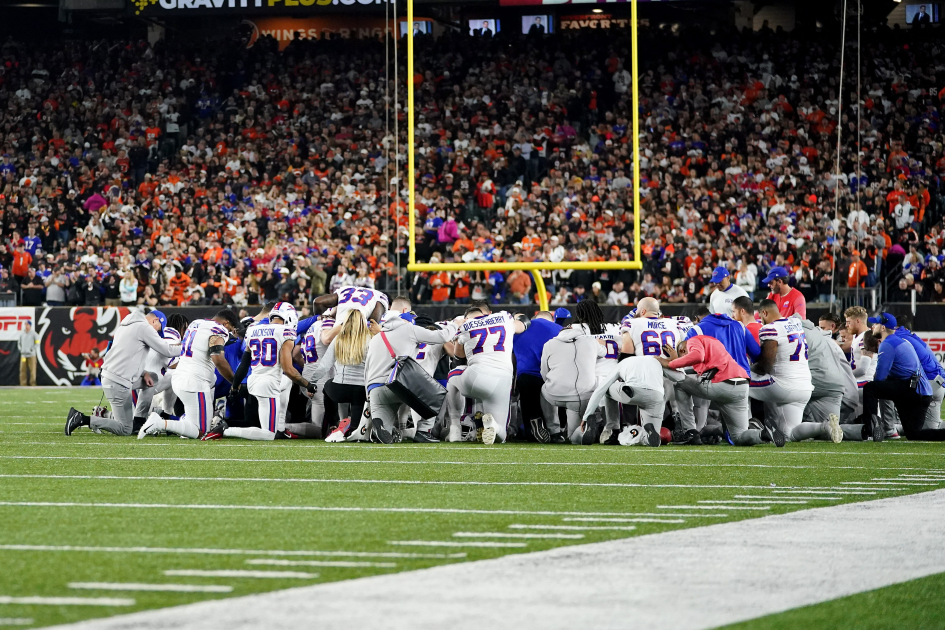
x: 522, y: 317
x: 311, y: 388
x: 236, y: 391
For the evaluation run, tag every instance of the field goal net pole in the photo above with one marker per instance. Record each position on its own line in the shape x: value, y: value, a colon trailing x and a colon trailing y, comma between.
x: 534, y: 267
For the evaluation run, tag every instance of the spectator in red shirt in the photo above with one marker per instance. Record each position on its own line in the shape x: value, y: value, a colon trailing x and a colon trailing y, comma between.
x: 790, y: 301
x: 744, y: 311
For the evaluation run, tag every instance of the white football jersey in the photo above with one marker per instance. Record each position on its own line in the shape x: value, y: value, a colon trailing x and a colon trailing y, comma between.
x: 360, y: 298
x: 429, y: 354
x: 720, y: 302
x: 312, y: 346
x: 790, y: 369
x: 650, y: 335
x: 856, y: 350
x: 158, y: 363
x: 264, y: 342
x: 195, y: 354
x: 611, y: 337
x: 487, y: 340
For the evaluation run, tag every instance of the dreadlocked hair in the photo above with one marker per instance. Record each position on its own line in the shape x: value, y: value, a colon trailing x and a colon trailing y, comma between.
x: 588, y: 312
x: 178, y: 322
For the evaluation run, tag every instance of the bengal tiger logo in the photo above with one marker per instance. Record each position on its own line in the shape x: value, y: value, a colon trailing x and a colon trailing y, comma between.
x: 66, y: 334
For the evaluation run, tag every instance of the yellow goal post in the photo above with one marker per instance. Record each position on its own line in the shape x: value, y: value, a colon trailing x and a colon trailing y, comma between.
x: 534, y: 267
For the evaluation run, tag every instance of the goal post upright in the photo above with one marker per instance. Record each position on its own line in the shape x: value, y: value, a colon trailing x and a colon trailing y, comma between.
x: 535, y: 268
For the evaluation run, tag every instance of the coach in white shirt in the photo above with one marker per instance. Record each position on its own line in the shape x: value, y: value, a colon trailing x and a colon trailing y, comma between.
x: 720, y: 301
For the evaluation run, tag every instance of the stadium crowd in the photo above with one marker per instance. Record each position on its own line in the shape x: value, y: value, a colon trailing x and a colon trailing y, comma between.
x: 192, y: 173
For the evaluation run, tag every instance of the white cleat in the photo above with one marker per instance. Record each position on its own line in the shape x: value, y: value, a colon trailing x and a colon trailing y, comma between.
x: 833, y: 429
x: 605, y: 435
x: 153, y: 425
x: 488, y: 429
x: 456, y: 433
x: 336, y: 436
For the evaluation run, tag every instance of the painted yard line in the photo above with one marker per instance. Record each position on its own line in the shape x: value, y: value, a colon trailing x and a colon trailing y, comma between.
x: 840, y: 492
x: 232, y: 552
x: 426, y: 462
x: 624, y: 520
x: 67, y: 601
x: 711, y: 507
x: 724, y: 504
x: 320, y: 563
x: 406, y: 482
x: 238, y: 573
x: 909, y: 480
x: 752, y: 496
x: 889, y: 483
x: 762, y: 565
x: 508, y: 535
x: 617, y: 528
x: 133, y: 586
x: 16, y: 621
x: 312, y: 508
x: 454, y: 543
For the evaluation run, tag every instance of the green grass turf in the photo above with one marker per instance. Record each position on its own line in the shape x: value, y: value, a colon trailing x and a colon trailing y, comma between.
x: 38, y: 464
x: 916, y: 605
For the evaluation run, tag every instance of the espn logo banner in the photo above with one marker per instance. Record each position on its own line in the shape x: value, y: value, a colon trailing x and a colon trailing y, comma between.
x: 936, y: 341
x: 13, y: 321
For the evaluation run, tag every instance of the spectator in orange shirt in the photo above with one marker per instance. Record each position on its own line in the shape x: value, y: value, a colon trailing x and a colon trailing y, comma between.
x: 440, y: 284
x: 179, y: 282
x: 21, y: 262
x: 519, y: 285
x: 856, y: 274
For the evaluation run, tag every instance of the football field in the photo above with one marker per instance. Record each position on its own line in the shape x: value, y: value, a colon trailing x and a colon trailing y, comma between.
x: 96, y: 526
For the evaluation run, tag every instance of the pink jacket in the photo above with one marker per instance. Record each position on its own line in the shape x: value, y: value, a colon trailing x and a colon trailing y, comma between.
x: 705, y: 353
x: 449, y: 232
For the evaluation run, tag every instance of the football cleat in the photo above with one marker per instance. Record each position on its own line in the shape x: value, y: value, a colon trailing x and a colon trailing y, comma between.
x: 608, y: 436
x: 892, y: 435
x: 217, y: 425
x: 211, y: 435
x: 335, y: 436
x: 379, y: 433
x: 587, y: 437
x: 153, y: 425
x: 558, y: 438
x: 285, y: 435
x: 76, y: 419
x: 539, y: 431
x: 652, y: 435
x: 833, y: 428
x: 773, y: 433
x: 488, y: 429
x: 878, y: 433
x: 424, y: 437
x: 455, y: 434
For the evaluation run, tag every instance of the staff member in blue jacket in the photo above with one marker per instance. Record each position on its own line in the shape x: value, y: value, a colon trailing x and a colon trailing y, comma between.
x: 734, y: 336
x: 933, y: 370
x: 900, y: 378
x: 527, y: 350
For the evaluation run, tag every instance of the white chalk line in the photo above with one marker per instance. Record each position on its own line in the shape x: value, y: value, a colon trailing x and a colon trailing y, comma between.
x: 16, y: 621
x: 314, y: 508
x: 408, y: 482
x: 158, y: 588
x: 839, y: 492
x: 67, y: 601
x: 753, y: 502
x: 508, y: 535
x: 233, y: 552
x: 753, y: 496
x: 454, y: 543
x: 239, y: 573
x: 594, y: 519
x: 617, y: 528
x: 712, y: 507
x: 320, y: 563
x: 431, y: 462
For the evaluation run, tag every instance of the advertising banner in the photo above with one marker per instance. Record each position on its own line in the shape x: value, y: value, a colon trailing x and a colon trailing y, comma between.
x: 185, y: 8
x: 12, y: 322
x: 284, y: 30
x: 66, y: 335
x: 594, y: 20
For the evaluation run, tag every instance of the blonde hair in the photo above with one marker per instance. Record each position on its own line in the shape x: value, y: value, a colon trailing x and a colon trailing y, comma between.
x: 855, y: 312
x: 352, y: 341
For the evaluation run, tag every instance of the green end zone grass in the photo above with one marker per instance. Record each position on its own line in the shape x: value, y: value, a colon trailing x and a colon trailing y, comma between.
x: 296, y: 498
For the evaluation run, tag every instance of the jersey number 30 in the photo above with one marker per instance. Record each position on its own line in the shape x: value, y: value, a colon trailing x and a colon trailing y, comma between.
x: 264, y: 351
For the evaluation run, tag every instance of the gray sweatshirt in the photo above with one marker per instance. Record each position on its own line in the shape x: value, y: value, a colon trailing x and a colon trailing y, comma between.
x: 403, y: 338
x: 27, y: 343
x: 125, y: 360
x: 344, y: 374
x: 829, y: 369
x: 569, y: 364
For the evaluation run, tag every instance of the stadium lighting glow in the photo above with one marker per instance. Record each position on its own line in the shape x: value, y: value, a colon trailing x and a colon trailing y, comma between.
x: 597, y: 11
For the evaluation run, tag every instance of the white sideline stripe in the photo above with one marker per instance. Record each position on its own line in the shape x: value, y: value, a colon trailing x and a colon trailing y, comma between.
x: 712, y: 507
x: 133, y: 586
x: 615, y: 528
x: 231, y: 552
x: 67, y: 601
x: 320, y: 563
x: 407, y: 482
x: 753, y: 496
x: 508, y: 535
x: 762, y: 565
x: 314, y: 508
x: 753, y: 502
x: 624, y: 520
x: 904, y: 480
x: 840, y: 492
x: 889, y: 483
x: 454, y: 543
x: 239, y: 573
x: 16, y: 621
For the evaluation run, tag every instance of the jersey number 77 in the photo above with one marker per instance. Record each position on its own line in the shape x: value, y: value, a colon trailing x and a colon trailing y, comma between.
x: 484, y: 333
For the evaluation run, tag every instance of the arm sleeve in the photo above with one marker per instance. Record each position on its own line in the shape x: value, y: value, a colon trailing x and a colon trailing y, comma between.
x: 243, y: 368
x: 599, y: 394
x: 153, y: 340
x: 752, y: 346
x: 884, y: 360
x: 443, y: 335
x: 304, y: 325
x: 800, y: 307
x: 864, y: 365
x: 695, y: 355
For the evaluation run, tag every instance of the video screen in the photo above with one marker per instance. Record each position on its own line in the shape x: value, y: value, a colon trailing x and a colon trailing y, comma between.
x: 537, y: 24
x: 483, y: 28
x: 922, y: 13
x: 419, y: 27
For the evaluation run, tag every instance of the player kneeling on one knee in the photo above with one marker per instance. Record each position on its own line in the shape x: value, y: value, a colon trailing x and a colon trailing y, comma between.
x: 636, y: 381
x: 568, y: 367
x: 718, y: 379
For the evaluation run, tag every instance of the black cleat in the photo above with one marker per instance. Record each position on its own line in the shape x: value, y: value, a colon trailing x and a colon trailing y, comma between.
x: 877, y: 430
x: 424, y: 437
x: 558, y: 438
x: 693, y: 438
x: 652, y: 435
x: 590, y: 433
x: 137, y: 423
x: 76, y: 419
x: 379, y: 433
x: 539, y: 431
x: 774, y: 434
x: 286, y: 435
